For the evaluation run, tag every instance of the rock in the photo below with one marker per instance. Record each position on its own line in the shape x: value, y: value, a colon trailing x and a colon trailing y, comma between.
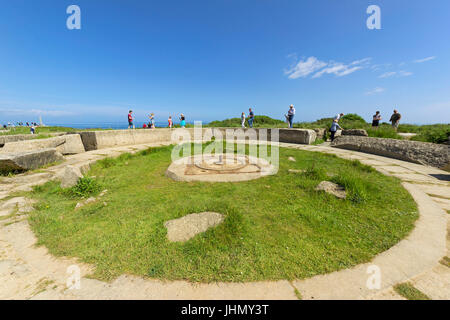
x: 321, y: 133
x: 70, y: 177
x: 187, y: 227
x: 425, y: 153
x: 332, y: 188
x: 292, y: 159
x: 300, y: 136
x: 21, y: 204
x: 65, y: 144
x: 355, y: 132
x: 85, y: 202
x: 102, y: 193
x: 29, y: 160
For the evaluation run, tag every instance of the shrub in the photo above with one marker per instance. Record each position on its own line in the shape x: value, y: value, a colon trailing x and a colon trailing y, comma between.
x: 260, y: 121
x: 85, y: 187
x: 435, y: 135
x: 353, y: 117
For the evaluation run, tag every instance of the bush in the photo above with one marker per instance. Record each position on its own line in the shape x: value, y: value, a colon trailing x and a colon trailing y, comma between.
x: 435, y: 135
x: 260, y: 121
x: 85, y: 187
x: 353, y: 117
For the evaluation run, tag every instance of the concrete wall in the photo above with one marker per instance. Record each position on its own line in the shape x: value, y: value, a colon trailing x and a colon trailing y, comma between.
x: 94, y: 140
x: 28, y: 160
x: 435, y: 155
x: 65, y: 144
x: 13, y: 138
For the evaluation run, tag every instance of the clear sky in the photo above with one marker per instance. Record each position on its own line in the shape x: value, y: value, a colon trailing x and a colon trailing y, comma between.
x: 212, y: 59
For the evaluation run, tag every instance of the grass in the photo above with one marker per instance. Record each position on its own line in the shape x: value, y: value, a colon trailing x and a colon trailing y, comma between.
x: 408, y: 291
x: 42, y: 132
x: 276, y: 227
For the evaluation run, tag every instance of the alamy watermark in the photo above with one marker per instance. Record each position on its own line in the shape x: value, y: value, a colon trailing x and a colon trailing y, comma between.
x: 374, y: 20
x: 74, y: 279
x: 73, y: 22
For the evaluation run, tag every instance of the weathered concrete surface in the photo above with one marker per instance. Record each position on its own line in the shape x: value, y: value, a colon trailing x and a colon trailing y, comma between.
x: 321, y: 133
x: 186, y: 169
x: 14, y: 137
x: 96, y: 140
x: 355, y: 132
x: 28, y: 160
x: 65, y: 144
x: 332, y: 188
x: 70, y: 176
x: 425, y: 153
x: 187, y: 227
x: 299, y: 136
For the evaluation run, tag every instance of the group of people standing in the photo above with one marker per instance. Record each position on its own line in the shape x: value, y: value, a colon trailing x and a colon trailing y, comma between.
x: 250, y: 119
x: 394, y: 120
x: 152, y: 124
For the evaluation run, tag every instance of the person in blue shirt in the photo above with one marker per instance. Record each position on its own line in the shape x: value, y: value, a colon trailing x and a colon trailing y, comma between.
x: 334, y: 127
x: 251, y: 117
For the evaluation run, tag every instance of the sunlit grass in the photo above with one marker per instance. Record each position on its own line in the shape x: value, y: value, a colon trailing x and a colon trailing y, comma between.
x: 276, y: 227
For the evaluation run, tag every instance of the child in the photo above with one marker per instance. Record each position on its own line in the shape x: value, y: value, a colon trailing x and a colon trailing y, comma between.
x: 334, y: 127
x: 243, y: 120
x: 170, y: 122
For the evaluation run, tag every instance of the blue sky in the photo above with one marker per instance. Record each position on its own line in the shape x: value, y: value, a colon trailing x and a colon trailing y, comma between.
x: 213, y: 59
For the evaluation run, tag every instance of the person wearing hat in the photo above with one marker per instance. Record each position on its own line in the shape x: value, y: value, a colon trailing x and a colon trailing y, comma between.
x: 291, y: 114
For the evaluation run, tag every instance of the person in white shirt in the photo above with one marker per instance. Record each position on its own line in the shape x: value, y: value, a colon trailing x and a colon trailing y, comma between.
x: 291, y: 114
x: 338, y: 116
x: 243, y: 120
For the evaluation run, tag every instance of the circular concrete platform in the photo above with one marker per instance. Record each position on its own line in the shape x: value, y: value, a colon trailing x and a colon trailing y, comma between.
x: 219, y: 168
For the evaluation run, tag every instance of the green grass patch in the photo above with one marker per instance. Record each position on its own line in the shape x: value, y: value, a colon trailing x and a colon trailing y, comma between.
x: 276, y: 227
x: 408, y: 291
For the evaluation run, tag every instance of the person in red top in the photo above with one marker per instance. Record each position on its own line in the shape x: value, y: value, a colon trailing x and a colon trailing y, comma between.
x: 170, y: 122
x: 130, y: 120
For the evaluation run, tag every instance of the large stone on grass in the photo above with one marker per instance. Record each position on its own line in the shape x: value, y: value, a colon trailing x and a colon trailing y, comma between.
x: 298, y: 136
x: 332, y: 188
x: 431, y: 154
x: 70, y: 176
x: 65, y: 144
x: 22, y: 161
x: 355, y: 132
x: 187, y: 227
